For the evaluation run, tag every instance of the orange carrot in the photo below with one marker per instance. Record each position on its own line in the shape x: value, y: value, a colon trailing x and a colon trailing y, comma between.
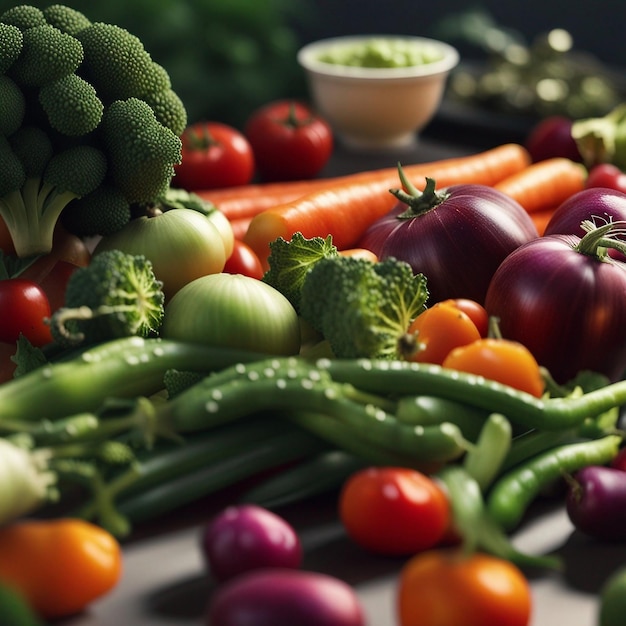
x: 346, y: 209
x: 249, y: 200
x: 545, y: 184
x: 541, y: 219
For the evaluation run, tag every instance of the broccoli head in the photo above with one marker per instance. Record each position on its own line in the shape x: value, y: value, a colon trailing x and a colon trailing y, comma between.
x: 85, y: 85
x: 11, y: 42
x: 362, y: 308
x: 289, y: 262
x: 116, y: 295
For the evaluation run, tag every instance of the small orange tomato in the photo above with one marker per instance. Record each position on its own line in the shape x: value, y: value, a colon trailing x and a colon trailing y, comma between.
x: 508, y: 362
x: 359, y: 253
x: 60, y: 565
x: 474, y: 310
x: 438, y: 330
x: 445, y: 587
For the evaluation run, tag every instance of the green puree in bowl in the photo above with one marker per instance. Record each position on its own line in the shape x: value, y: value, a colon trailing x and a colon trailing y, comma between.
x: 382, y: 53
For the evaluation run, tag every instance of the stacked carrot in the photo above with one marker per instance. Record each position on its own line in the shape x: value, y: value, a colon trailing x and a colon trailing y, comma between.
x: 345, y: 206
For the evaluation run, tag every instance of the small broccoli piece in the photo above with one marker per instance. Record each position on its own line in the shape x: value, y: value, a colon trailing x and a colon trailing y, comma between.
x: 66, y: 19
x: 363, y: 309
x: 116, y: 295
x: 11, y: 42
x: 142, y: 151
x: 289, y: 262
x: 24, y: 16
x: 72, y: 105
x: 30, y: 215
x: 168, y: 109
x: 47, y: 55
x: 103, y: 212
x: 117, y: 63
x: 12, y: 106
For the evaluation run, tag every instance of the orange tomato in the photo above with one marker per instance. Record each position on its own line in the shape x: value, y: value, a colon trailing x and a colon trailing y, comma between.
x: 446, y: 587
x: 60, y: 565
x: 508, y: 362
x: 438, y: 330
x: 474, y: 310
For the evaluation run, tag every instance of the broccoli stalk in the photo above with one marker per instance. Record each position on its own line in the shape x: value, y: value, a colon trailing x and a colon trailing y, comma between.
x: 116, y: 295
x: 364, y: 309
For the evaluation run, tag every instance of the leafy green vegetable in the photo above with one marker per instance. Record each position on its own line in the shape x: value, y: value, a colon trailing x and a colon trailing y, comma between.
x: 363, y: 309
x: 289, y: 262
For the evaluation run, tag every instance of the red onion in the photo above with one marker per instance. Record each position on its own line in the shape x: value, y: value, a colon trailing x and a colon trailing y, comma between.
x: 600, y: 205
x: 457, y: 237
x: 564, y: 298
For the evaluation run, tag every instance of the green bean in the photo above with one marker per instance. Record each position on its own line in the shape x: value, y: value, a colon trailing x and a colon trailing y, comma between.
x: 288, y: 385
x: 319, y: 474
x: 283, y: 447
x: 408, y: 378
x: 123, y: 368
x: 513, y: 492
x: 484, y: 460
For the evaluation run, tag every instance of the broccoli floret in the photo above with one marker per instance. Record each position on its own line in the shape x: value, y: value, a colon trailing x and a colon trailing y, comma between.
x: 72, y: 105
x: 117, y: 63
x: 363, y: 309
x: 143, y: 152
x: 66, y: 19
x: 11, y: 42
x: 31, y: 205
x: 47, y: 55
x: 12, y: 106
x: 289, y: 262
x: 24, y: 16
x: 168, y: 109
x: 102, y: 212
x: 116, y: 295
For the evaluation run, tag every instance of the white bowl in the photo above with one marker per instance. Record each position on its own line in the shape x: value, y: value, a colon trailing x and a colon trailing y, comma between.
x: 376, y: 108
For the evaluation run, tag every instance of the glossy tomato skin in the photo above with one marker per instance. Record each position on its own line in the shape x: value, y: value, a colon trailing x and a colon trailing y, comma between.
x: 567, y: 308
x: 290, y: 141
x: 606, y: 175
x: 214, y: 155
x: 23, y: 308
x: 243, y: 260
x: 448, y: 588
x: 393, y: 510
x: 474, y: 310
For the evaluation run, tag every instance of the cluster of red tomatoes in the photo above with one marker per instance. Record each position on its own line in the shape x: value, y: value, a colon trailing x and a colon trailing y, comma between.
x: 283, y: 140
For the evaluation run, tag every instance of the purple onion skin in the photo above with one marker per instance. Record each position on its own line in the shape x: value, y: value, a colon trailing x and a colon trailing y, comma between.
x: 246, y: 537
x: 597, y: 204
x: 278, y: 597
x: 596, y: 502
x: 458, y: 244
x: 567, y: 308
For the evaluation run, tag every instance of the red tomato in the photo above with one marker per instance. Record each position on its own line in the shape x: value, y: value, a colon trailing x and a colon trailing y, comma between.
x: 450, y: 588
x: 289, y: 140
x: 213, y: 155
x: 475, y: 311
x: 23, y: 308
x: 606, y: 175
x: 552, y: 137
x: 393, y: 510
x: 244, y: 260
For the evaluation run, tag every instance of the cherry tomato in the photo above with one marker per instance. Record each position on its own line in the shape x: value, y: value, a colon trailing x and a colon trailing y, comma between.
x: 606, y: 175
x: 502, y: 360
x: 393, y: 510
x: 23, y: 308
x: 213, y: 155
x: 552, y: 137
x: 289, y: 140
x: 474, y: 310
x: 619, y: 461
x: 448, y: 588
x: 438, y: 330
x: 244, y: 260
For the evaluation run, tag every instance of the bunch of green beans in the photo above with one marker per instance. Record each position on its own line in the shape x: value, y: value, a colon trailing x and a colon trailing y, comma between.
x: 248, y: 412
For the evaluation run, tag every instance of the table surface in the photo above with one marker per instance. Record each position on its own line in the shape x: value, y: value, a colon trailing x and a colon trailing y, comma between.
x: 165, y: 583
